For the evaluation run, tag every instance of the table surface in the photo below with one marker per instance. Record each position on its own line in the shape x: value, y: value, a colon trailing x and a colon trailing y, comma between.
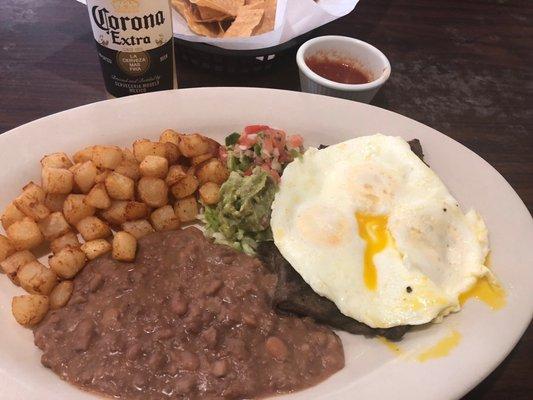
x: 463, y: 67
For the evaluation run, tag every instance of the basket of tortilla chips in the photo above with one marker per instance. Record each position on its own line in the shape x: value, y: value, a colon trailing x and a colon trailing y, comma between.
x: 228, y: 18
x: 235, y: 21
x: 213, y: 22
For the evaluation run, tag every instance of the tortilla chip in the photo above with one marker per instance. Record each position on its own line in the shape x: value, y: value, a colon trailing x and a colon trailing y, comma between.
x: 245, y: 22
x: 210, y: 29
x: 269, y: 18
x: 255, y: 3
x: 230, y: 7
x: 206, y: 14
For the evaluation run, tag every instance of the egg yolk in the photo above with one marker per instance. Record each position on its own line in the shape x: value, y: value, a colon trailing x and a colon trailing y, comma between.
x: 391, y: 345
x: 442, y: 348
x: 492, y: 294
x: 373, y: 230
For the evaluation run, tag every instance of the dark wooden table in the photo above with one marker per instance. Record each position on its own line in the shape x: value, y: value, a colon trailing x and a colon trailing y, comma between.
x: 463, y: 67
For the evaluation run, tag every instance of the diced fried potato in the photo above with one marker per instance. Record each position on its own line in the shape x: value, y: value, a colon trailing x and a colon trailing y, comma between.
x: 6, y: 248
x: 24, y: 234
x: 164, y: 219
x: 34, y: 191
x: 57, y: 180
x: 172, y: 153
x: 61, y: 294
x: 67, y: 262
x: 153, y: 191
x: 175, y: 174
x: 155, y: 166
x: 31, y: 202
x: 108, y: 157
x: 83, y: 155
x: 138, y: 228
x: 212, y: 171
x: 53, y: 226
x: 102, y: 174
x: 193, y: 145
x: 92, y: 228
x: 54, y: 202
x: 200, y: 159
x: 214, y: 146
x: 129, y: 169
x: 76, y: 208
x: 11, y: 214
x: 69, y: 239
x: 127, y: 155
x: 122, y: 211
x: 35, y: 278
x: 95, y: 248
x: 56, y: 160
x: 144, y: 147
x: 209, y: 193
x: 85, y: 176
x: 170, y: 136
x: 186, y: 209
x: 98, y: 197
x: 185, y: 187
x: 124, y: 246
x: 12, y: 264
x: 29, y: 309
x: 119, y: 187
x: 74, y: 168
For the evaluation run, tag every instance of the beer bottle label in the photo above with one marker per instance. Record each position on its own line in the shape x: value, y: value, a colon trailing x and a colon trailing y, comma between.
x: 134, y: 43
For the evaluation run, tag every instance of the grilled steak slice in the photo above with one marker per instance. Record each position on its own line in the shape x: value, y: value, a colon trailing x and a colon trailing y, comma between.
x: 416, y: 148
x: 294, y: 295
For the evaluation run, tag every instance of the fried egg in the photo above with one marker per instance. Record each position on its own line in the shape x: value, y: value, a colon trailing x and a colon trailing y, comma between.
x: 371, y: 227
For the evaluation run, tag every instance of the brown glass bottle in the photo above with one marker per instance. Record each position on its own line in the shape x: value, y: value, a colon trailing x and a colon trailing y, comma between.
x: 134, y: 41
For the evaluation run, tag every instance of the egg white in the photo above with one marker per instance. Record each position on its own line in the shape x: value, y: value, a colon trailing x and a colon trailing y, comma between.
x: 436, y: 252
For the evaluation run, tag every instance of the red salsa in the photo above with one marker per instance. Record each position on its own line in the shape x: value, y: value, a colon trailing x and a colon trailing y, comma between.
x: 340, y: 71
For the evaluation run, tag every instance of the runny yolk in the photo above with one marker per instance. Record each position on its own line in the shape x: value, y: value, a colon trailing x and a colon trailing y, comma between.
x: 373, y: 230
x: 486, y: 290
x: 391, y: 345
x: 442, y: 348
x: 490, y: 293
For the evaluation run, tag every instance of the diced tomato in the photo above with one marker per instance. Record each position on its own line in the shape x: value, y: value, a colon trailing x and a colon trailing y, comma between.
x: 255, y: 129
x: 268, y: 146
x: 284, y: 157
x: 247, y: 141
x: 296, y: 141
x: 274, y: 174
x: 278, y: 138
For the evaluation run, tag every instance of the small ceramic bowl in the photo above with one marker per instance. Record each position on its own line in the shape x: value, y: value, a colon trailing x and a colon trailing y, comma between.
x: 362, y: 55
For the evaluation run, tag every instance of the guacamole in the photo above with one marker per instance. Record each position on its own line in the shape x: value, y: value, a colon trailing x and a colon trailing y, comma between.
x: 241, y: 218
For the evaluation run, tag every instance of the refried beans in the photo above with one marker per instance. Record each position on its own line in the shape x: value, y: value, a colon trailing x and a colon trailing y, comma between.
x: 188, y: 319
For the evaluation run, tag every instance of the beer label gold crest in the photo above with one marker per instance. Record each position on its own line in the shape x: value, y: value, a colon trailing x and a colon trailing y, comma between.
x: 126, y: 6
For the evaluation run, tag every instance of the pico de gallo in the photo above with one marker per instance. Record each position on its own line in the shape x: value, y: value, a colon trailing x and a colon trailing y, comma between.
x: 261, y: 146
x: 256, y: 158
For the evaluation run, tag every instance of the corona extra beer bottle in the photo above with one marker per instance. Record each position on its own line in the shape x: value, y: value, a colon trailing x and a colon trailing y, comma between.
x: 135, y: 45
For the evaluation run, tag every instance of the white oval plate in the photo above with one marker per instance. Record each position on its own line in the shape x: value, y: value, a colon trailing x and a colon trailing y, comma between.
x: 372, y: 369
